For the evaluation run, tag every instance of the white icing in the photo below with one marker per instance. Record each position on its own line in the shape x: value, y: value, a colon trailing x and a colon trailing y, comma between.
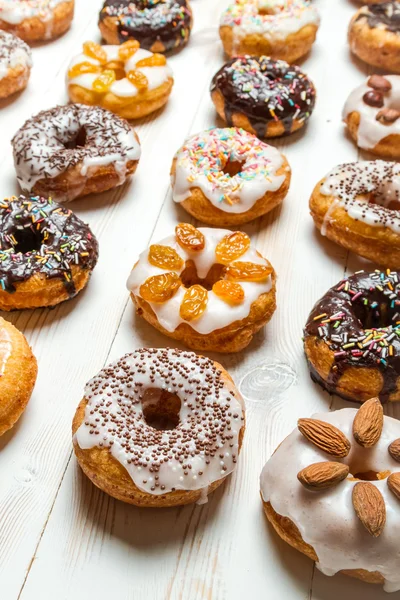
x: 200, y: 161
x: 352, y: 185
x: 13, y: 53
x: 206, y: 421
x: 285, y: 17
x: 326, y: 519
x: 218, y: 313
x: 370, y: 131
x: 16, y: 11
x: 123, y: 88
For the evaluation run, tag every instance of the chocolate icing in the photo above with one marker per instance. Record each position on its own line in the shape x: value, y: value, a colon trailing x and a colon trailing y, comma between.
x: 264, y: 90
x: 386, y: 15
x: 39, y: 236
x: 367, y: 334
x: 150, y: 21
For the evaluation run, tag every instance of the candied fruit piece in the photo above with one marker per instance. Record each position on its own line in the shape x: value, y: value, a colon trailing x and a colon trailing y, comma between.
x: 194, y: 303
x: 128, y: 49
x: 165, y: 257
x: 160, y: 288
x: 247, y: 271
x: 156, y: 60
x: 82, y: 68
x: 232, y: 247
x: 231, y: 292
x: 95, y: 51
x: 189, y: 238
x: 139, y: 80
x: 104, y: 81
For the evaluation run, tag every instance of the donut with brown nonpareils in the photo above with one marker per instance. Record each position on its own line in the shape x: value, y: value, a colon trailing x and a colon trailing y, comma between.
x: 71, y: 151
x: 357, y: 206
x: 36, y: 20
x: 159, y: 427
x: 374, y: 35
x: 47, y: 253
x: 332, y: 488
x: 158, y: 25
x: 266, y: 97
x: 15, y: 64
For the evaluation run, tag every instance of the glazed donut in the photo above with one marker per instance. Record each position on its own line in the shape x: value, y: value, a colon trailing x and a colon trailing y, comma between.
x: 356, y: 205
x: 331, y: 490
x: 36, y: 20
x: 351, y: 339
x: 47, y: 253
x: 169, y: 438
x: 226, y: 177
x: 158, y: 25
x: 15, y: 64
x: 18, y: 371
x: 264, y: 96
x: 282, y: 29
x: 71, y: 151
x: 374, y: 35
x: 125, y: 79
x: 373, y: 117
x: 208, y: 288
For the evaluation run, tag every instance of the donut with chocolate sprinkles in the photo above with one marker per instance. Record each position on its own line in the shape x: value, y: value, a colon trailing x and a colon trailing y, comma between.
x: 158, y: 25
x: 47, y: 253
x: 266, y: 97
x: 15, y: 64
x: 159, y: 427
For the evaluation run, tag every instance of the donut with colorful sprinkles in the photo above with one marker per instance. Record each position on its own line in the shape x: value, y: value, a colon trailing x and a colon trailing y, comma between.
x: 36, y: 20
x: 352, y: 337
x: 357, y: 206
x: 281, y: 29
x: 47, y: 253
x: 226, y: 177
x: 266, y: 97
x: 158, y: 25
x: 159, y: 427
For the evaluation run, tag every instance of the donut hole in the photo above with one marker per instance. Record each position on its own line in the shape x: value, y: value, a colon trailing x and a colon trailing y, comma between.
x: 232, y: 167
x: 78, y: 141
x: 161, y: 409
x: 371, y: 475
x: 118, y: 68
x: 189, y: 276
x: 377, y: 313
x: 27, y: 241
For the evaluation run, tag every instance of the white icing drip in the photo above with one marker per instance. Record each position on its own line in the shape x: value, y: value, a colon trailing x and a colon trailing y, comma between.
x: 5, y: 349
x: 16, y: 11
x: 198, y: 391
x: 351, y: 185
x: 200, y: 161
x: 370, y: 131
x: 327, y: 520
x: 287, y: 17
x: 218, y: 313
x: 13, y: 53
x: 123, y: 88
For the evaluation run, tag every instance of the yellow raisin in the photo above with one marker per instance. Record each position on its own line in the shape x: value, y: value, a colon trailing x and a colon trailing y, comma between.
x: 95, y: 51
x: 82, y: 68
x: 232, y: 247
x: 104, y: 81
x: 247, y: 271
x: 165, y: 257
x: 194, y: 303
x: 138, y: 79
x: 160, y: 288
x: 189, y: 238
x: 128, y: 49
x: 156, y: 60
x: 231, y: 292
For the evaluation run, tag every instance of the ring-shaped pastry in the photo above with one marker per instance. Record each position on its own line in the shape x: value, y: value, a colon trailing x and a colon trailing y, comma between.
x: 38, y: 20
x: 15, y: 64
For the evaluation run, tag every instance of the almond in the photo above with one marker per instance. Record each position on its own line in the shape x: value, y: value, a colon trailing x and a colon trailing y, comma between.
x: 394, y: 449
x: 325, y: 436
x: 368, y: 423
x: 378, y: 82
x: 387, y: 116
x: 319, y: 476
x: 370, y: 507
x: 393, y: 482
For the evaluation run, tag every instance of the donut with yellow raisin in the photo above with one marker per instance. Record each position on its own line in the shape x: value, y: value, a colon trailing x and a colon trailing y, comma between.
x: 36, y: 20
x: 15, y: 64
x: 208, y: 288
x: 128, y: 80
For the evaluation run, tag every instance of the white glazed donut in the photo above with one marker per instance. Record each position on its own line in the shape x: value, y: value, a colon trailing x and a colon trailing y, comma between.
x: 372, y: 114
x: 34, y: 20
x: 203, y: 180
x: 70, y: 151
x: 173, y: 420
x: 15, y: 64
x: 330, y: 516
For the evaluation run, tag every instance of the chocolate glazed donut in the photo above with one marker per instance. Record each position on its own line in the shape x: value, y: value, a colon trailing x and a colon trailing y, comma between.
x: 356, y: 326
x: 386, y: 15
x: 158, y: 25
x: 267, y: 92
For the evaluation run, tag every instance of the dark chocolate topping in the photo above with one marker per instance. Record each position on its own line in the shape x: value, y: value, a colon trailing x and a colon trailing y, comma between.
x: 386, y: 15
x: 40, y: 236
x: 150, y: 21
x: 264, y: 90
x: 359, y: 319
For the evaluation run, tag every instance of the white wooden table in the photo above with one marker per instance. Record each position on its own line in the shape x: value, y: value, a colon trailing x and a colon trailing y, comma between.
x: 60, y: 537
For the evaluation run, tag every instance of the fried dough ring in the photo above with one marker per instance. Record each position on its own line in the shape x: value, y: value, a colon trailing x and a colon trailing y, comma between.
x: 34, y: 29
